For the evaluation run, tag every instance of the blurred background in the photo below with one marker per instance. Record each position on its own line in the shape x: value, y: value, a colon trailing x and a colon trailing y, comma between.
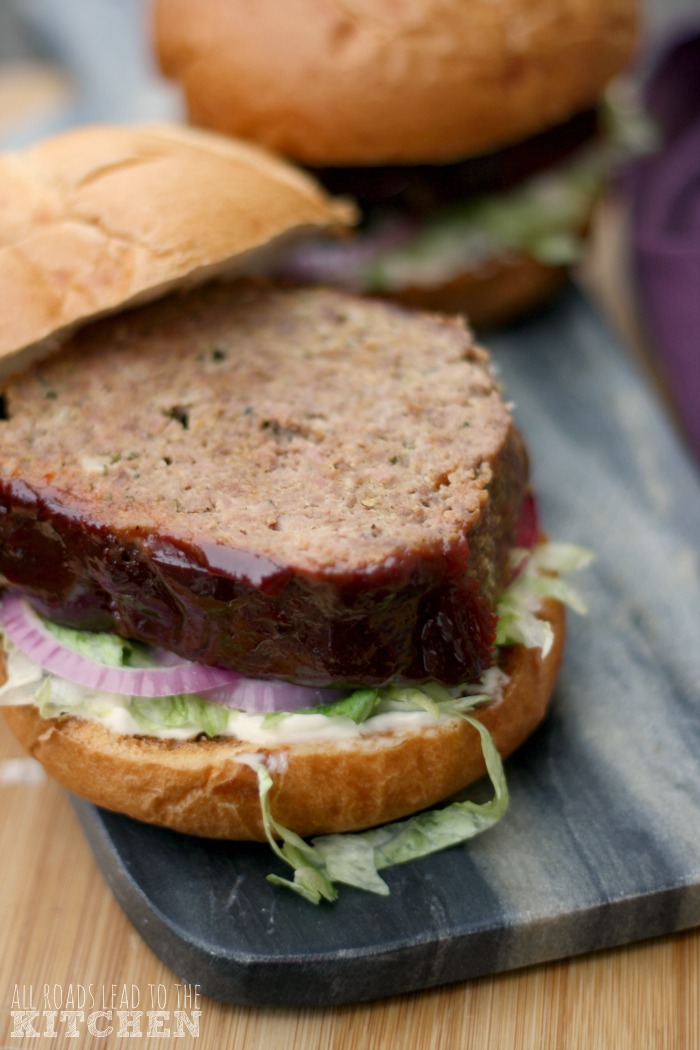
x: 68, y: 62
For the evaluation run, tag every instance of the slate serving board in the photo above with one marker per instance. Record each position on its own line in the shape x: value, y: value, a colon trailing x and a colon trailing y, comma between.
x: 601, y: 845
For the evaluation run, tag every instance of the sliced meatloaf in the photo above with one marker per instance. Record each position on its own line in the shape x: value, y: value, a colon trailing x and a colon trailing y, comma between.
x: 293, y: 483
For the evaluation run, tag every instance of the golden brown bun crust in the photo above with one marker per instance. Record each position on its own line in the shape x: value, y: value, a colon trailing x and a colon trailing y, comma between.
x: 201, y: 788
x: 493, y: 294
x: 99, y: 217
x: 377, y: 82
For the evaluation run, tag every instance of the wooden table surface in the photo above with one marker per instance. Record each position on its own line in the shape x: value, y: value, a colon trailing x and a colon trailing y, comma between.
x: 61, y: 931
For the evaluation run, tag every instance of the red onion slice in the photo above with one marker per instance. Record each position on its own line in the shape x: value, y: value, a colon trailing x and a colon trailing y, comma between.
x: 265, y: 696
x: 23, y: 627
x: 347, y: 262
x: 174, y: 677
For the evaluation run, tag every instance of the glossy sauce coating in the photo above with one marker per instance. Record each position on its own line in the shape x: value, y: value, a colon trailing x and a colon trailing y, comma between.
x: 393, y: 516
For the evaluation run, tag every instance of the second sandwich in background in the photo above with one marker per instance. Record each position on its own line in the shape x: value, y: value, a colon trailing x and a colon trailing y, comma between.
x: 470, y: 134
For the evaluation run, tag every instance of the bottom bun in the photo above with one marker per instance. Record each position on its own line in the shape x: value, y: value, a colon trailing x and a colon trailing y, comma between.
x: 494, y: 294
x: 205, y: 787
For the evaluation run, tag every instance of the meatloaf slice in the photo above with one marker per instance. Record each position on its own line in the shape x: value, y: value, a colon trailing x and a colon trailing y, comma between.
x: 293, y: 483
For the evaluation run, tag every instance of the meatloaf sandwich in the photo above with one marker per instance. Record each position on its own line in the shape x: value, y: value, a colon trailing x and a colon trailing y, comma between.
x: 469, y: 132
x: 272, y: 567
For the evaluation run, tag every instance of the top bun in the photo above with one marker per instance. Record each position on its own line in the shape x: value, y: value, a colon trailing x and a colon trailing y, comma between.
x: 335, y: 82
x: 100, y: 217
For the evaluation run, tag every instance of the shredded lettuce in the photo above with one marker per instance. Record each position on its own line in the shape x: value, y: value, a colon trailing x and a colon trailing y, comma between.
x: 358, y: 707
x: 518, y: 623
x: 102, y: 647
x: 177, y: 717
x: 544, y: 217
x: 356, y: 859
x: 188, y: 712
x: 98, y: 646
x: 23, y: 676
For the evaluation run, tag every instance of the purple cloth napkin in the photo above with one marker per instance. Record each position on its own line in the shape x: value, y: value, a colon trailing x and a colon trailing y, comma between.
x: 666, y: 224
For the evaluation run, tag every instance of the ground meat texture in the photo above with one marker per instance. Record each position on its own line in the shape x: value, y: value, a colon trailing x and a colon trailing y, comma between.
x: 297, y: 484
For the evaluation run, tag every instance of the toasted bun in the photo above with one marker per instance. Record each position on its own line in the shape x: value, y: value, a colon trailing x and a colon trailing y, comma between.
x: 380, y: 81
x: 204, y: 788
x: 100, y: 217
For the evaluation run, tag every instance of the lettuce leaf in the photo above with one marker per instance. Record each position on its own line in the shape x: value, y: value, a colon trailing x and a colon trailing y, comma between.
x: 517, y: 607
x: 358, y: 706
x: 98, y: 646
x: 356, y: 859
x: 171, y: 712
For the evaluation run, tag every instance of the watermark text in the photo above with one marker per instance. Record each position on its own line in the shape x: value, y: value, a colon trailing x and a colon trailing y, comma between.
x: 124, y: 1010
